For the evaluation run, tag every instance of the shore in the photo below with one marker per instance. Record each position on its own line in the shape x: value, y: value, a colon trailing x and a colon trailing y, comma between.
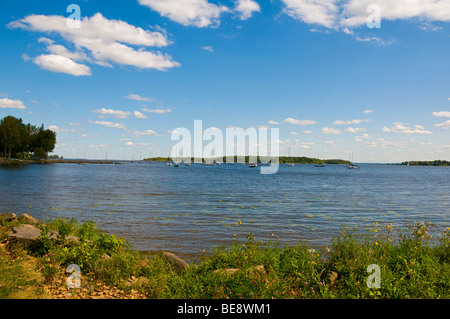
x: 409, y: 267
x: 53, y: 161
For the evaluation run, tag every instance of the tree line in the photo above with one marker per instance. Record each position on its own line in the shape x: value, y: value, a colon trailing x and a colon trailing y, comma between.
x: 24, y: 141
x: 281, y: 159
x: 428, y: 163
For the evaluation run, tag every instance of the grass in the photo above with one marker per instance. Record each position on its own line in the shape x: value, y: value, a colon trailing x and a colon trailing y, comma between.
x: 412, y: 266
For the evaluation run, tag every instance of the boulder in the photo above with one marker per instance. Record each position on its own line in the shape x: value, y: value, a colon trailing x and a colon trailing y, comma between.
x: 24, y: 233
x: 27, y: 219
x: 179, y: 263
x: 6, y: 217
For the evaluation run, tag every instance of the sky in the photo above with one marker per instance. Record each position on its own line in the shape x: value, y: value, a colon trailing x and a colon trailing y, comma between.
x: 336, y: 77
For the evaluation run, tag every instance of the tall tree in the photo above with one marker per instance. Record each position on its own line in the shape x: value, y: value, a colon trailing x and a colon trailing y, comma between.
x: 10, y: 134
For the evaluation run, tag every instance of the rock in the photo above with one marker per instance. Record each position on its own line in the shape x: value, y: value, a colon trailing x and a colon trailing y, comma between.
x: 179, y: 263
x: 6, y: 217
x: 24, y: 233
x: 226, y: 271
x: 27, y: 219
x: 333, y: 276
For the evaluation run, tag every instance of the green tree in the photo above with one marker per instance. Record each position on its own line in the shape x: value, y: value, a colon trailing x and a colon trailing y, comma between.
x: 11, y: 137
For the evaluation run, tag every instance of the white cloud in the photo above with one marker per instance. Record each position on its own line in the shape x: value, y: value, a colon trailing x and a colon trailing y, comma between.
x: 157, y: 111
x: 354, y: 129
x: 199, y: 13
x: 106, y: 40
x: 298, y: 122
x: 273, y: 122
x: 147, y: 132
x: 444, y: 125
x: 208, y: 48
x: 342, y: 14
x: 139, y: 115
x: 111, y: 124
x: 404, y: 129
x: 442, y: 114
x: 61, y: 64
x: 330, y: 130
x: 115, y: 113
x: 57, y: 129
x: 246, y: 8
x: 339, y: 122
x: 294, y: 133
x: 137, y: 97
x: 362, y: 137
x: 13, y: 104
x: 322, y: 12
x: 367, y: 111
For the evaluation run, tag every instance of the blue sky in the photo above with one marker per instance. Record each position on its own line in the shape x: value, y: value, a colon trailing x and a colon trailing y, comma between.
x: 136, y: 70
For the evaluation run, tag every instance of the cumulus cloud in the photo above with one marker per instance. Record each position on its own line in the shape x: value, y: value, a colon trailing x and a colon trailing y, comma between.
x: 246, y: 8
x: 298, y: 122
x: 61, y: 64
x: 115, y: 113
x: 198, y: 13
x: 12, y: 104
x: 339, y: 122
x: 105, y: 40
x: 331, y: 130
x: 137, y: 97
x: 404, y: 129
x: 57, y: 129
x: 146, y: 132
x: 344, y: 14
x: 111, y: 124
x: 444, y: 125
x: 157, y: 111
x: 441, y: 114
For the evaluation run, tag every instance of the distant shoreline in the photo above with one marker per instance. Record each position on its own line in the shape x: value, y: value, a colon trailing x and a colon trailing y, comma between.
x: 53, y: 161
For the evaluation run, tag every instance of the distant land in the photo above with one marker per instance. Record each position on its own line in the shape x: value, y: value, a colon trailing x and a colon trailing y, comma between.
x: 427, y: 163
x: 282, y: 160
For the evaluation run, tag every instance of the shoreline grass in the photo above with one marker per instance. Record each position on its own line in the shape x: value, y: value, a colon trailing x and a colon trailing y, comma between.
x: 411, y: 266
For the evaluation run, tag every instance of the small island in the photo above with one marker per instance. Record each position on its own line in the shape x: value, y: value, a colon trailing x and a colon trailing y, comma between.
x: 281, y: 159
x: 427, y: 163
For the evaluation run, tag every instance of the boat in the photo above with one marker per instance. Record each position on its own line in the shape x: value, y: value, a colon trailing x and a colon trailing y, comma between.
x: 353, y: 166
x: 319, y: 165
x: 253, y: 165
x: 187, y: 164
x: 169, y: 164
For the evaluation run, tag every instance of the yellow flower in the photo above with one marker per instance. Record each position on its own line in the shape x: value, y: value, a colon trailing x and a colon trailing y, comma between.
x: 239, y: 221
x: 376, y: 243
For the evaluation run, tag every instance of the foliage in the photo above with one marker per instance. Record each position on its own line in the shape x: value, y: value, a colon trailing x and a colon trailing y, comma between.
x: 24, y: 140
x: 412, y: 264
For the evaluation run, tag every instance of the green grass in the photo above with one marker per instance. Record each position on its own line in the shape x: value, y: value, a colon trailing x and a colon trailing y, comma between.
x: 412, y: 265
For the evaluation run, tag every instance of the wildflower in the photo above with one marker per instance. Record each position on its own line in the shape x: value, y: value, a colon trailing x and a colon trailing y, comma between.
x: 239, y: 221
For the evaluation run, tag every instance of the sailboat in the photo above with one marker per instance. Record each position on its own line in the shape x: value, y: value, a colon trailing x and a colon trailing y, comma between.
x: 353, y: 166
x: 290, y: 164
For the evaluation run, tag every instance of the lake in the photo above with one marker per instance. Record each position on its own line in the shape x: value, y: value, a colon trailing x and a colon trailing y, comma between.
x: 189, y: 209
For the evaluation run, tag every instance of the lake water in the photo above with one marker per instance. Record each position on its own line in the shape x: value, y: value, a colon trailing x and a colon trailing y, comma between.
x: 190, y: 209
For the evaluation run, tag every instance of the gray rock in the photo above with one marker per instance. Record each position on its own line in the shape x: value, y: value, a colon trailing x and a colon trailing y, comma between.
x: 179, y: 263
x: 24, y: 233
x: 27, y: 219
